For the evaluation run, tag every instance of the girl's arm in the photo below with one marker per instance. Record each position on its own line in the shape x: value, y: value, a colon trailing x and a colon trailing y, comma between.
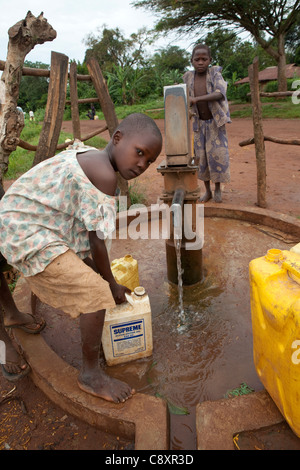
x: 101, y: 260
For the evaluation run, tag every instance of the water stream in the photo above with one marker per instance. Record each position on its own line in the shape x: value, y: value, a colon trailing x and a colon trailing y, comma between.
x: 177, y: 243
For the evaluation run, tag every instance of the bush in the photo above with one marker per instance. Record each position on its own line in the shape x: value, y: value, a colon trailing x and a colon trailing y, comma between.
x: 239, y: 93
x: 272, y: 86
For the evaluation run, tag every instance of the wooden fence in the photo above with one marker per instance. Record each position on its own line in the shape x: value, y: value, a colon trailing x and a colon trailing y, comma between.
x: 259, y: 137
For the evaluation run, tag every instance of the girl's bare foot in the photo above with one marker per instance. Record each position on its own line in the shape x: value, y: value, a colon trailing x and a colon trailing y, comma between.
x: 97, y: 383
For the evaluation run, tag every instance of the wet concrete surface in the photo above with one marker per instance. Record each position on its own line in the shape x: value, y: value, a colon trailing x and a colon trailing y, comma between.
x: 210, y: 352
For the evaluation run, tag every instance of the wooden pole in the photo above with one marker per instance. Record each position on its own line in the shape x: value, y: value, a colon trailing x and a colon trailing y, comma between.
x: 271, y: 139
x: 31, y: 72
x: 258, y: 134
x: 32, y: 148
x: 103, y: 95
x: 108, y: 110
x: 85, y: 100
x: 55, y: 108
x: 74, y: 100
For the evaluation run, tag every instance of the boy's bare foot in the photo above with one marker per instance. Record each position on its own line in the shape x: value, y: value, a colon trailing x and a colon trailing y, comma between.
x: 15, y: 366
x: 25, y: 321
x: 99, y: 384
x: 207, y: 196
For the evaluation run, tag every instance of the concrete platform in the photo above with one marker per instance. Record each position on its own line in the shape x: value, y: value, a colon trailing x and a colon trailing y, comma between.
x: 218, y: 421
x: 144, y: 419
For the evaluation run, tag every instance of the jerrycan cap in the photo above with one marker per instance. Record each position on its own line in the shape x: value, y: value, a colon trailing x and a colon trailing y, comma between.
x: 274, y: 255
x: 139, y: 291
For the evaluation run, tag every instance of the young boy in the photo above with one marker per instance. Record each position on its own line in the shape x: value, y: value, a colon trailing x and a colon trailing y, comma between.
x: 207, y: 91
x: 15, y: 367
x: 54, y: 217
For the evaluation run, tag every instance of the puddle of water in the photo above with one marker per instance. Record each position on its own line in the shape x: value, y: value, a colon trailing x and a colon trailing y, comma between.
x: 203, y: 353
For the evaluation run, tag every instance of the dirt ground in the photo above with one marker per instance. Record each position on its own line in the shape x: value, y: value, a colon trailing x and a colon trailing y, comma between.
x: 283, y: 165
x: 29, y: 421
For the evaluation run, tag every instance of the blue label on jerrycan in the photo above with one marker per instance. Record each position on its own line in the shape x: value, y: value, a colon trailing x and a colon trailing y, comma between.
x: 128, y: 338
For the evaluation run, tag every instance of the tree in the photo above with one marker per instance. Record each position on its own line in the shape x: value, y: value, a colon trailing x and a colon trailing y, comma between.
x: 111, y: 48
x: 171, y: 58
x: 126, y: 84
x: 233, y: 54
x: 273, y: 17
x: 293, y: 42
x: 33, y: 90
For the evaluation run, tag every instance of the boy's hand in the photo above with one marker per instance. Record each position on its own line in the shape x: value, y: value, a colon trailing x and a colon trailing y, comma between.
x: 118, y: 292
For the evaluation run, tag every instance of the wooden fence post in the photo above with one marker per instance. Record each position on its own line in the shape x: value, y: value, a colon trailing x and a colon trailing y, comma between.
x: 258, y: 134
x: 108, y: 109
x: 74, y: 101
x: 55, y: 108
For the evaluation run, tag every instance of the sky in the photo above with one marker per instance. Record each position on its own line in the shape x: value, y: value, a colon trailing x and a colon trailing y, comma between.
x: 74, y: 20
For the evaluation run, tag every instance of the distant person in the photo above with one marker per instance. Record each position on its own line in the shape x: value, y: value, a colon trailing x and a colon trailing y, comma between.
x: 31, y: 115
x: 14, y: 366
x: 91, y: 113
x: 55, y: 216
x: 207, y: 96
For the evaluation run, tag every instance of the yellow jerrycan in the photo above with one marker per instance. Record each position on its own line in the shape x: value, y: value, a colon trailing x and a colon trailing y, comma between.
x: 275, y: 312
x: 127, y: 330
x: 125, y: 271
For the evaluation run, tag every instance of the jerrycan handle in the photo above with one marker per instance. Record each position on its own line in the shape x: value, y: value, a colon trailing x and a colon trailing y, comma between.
x: 292, y: 268
x: 129, y: 299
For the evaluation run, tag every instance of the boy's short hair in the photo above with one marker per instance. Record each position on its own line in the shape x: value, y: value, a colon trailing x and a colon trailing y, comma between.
x: 138, y: 122
x: 201, y: 46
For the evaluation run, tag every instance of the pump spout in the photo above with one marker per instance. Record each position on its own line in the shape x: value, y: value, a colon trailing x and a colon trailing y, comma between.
x: 176, y: 208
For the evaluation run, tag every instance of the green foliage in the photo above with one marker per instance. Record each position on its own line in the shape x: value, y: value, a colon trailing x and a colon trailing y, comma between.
x: 244, y: 389
x: 33, y: 90
x: 126, y: 85
x: 111, y: 48
x: 136, y: 194
x: 268, y: 21
x: 276, y: 109
x: 169, y: 59
x: 272, y: 86
x: 292, y: 41
x: 21, y: 160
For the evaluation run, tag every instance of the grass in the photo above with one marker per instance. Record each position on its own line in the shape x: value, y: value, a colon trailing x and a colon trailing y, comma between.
x: 279, y: 109
x: 153, y: 108
x: 21, y: 160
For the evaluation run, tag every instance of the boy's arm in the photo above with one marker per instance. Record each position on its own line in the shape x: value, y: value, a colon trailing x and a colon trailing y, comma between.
x: 101, y: 260
x: 215, y: 96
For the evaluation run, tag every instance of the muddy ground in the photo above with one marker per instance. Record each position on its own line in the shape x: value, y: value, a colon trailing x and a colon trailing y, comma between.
x: 29, y: 420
